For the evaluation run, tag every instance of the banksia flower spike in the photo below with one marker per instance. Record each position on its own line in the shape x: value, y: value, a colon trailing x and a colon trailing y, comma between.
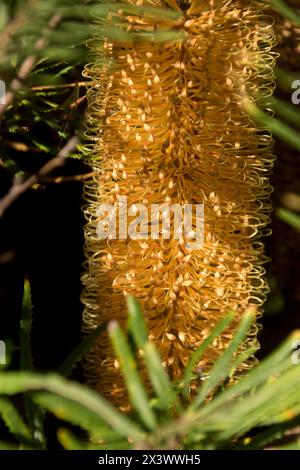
x: 167, y: 125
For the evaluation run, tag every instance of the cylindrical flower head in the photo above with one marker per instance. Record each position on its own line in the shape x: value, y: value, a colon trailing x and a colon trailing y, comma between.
x: 167, y: 126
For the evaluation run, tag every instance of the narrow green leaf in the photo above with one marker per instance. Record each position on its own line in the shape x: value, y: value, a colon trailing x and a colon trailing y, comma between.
x: 76, y: 355
x: 261, y: 409
x: 136, y: 322
x: 278, y: 128
x: 289, y: 217
x: 101, y: 11
x: 242, y: 357
x: 285, y: 10
x: 276, y: 363
x: 118, y: 445
x: 14, y: 422
x: 4, y: 16
x: 117, y: 34
x: 132, y: 378
x: 221, y: 368
x: 69, y: 441
x: 152, y: 359
x: 17, y: 382
x: 285, y: 110
x: 196, y: 356
x: 235, y: 417
x: 285, y: 79
x: 161, y: 35
x: 8, y: 446
x: 77, y: 415
x: 25, y: 329
x: 158, y: 376
x: 272, y: 433
x: 291, y: 446
x: 34, y: 416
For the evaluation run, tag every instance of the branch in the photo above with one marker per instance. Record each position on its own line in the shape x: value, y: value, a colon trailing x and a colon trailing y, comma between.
x: 65, y: 179
x: 20, y: 186
x: 58, y: 86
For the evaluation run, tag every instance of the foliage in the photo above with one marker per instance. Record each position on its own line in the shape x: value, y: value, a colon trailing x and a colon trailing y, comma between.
x: 218, y: 415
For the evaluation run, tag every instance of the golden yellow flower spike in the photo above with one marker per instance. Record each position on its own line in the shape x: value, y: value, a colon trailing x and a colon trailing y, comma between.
x: 167, y: 126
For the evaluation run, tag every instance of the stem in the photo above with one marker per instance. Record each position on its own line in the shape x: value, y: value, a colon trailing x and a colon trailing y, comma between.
x: 20, y: 187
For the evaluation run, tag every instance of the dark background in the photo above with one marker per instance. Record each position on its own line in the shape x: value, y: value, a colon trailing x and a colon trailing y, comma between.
x: 42, y: 239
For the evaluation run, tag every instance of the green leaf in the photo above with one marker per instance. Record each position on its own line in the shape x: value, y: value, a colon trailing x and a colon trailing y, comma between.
x: 3, y: 16
x: 161, y: 35
x: 64, y: 70
x: 221, y: 369
x: 69, y: 441
x: 242, y: 357
x: 276, y: 363
x: 269, y: 435
x: 34, y: 416
x: 152, y: 359
x: 25, y: 329
x: 136, y: 322
x: 101, y: 11
x: 135, y: 387
x: 75, y: 356
x: 118, y: 445
x: 117, y: 34
x: 285, y: 79
x: 17, y: 382
x: 196, y: 356
x: 291, y: 446
x: 285, y: 10
x: 278, y: 128
x: 77, y: 415
x: 285, y: 110
x: 8, y: 446
x: 289, y: 217
x: 14, y: 422
x: 261, y: 410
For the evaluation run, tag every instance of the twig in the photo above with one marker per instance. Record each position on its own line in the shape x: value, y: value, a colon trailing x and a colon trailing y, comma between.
x: 28, y: 64
x: 63, y: 85
x: 20, y: 186
x: 78, y: 102
x: 64, y: 179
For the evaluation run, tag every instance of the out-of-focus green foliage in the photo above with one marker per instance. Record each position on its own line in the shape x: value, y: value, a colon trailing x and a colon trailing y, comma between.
x: 216, y: 416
